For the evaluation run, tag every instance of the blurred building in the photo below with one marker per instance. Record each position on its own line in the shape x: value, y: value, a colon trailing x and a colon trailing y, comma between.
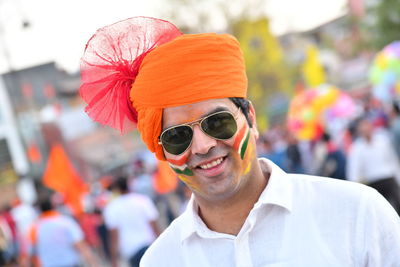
x: 12, y: 157
x: 45, y: 108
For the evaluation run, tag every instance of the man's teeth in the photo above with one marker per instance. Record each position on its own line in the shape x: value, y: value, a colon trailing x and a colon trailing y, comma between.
x: 211, y: 164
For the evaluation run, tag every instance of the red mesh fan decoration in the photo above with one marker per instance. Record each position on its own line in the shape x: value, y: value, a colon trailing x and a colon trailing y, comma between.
x: 110, y: 65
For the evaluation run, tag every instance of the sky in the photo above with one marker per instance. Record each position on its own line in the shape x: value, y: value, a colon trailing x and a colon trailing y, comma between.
x: 59, y: 29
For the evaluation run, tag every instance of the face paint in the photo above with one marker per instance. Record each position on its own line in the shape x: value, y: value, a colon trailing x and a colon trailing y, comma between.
x: 185, y: 170
x: 242, y: 140
x: 179, y: 165
x: 188, y: 182
x: 248, y: 159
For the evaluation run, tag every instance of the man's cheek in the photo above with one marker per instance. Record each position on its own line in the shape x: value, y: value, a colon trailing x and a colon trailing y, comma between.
x: 179, y: 165
x: 241, y: 140
x: 189, y: 182
x: 248, y: 158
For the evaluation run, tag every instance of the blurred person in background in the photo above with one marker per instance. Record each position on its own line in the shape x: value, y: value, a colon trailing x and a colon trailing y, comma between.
x: 131, y: 221
x: 143, y: 168
x: 332, y: 160
x: 187, y: 93
x: 12, y: 250
x: 269, y: 151
x: 57, y: 240
x: 395, y: 126
x: 294, y: 156
x: 90, y: 222
x: 6, y: 244
x: 24, y: 214
x: 373, y: 161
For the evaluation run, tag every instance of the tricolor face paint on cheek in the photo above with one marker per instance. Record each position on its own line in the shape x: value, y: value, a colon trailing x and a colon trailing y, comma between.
x: 242, y: 140
x: 179, y: 165
x: 184, y: 173
x: 248, y: 158
x: 244, y: 148
x: 189, y: 182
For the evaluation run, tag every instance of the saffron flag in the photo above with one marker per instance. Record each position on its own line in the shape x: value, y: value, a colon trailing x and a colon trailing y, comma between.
x: 61, y: 176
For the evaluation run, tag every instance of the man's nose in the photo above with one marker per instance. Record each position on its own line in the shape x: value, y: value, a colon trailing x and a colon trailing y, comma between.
x: 201, y: 143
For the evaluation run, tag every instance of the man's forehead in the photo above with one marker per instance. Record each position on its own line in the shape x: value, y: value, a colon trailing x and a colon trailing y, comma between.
x: 190, y: 112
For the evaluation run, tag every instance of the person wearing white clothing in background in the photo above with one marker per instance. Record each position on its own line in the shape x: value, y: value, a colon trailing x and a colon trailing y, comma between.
x: 131, y: 221
x: 373, y: 161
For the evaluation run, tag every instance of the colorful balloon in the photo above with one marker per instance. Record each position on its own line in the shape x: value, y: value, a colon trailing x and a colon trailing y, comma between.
x: 313, y: 108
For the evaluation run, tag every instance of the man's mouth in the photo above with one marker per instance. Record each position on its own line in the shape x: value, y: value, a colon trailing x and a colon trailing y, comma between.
x: 211, y: 164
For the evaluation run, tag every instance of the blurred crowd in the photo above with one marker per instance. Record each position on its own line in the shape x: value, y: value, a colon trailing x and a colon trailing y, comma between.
x: 122, y: 215
x: 366, y: 150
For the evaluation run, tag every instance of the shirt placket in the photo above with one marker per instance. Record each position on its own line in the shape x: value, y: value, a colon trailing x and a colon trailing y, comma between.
x: 242, y: 246
x: 242, y: 252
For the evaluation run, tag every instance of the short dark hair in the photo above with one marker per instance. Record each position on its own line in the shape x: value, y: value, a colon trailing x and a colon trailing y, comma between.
x: 45, y: 204
x: 121, y: 184
x: 244, y: 106
x: 326, y: 137
x: 396, y: 107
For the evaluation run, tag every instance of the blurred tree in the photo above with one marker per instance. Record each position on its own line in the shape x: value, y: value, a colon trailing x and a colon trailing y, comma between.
x: 266, y: 69
x: 383, y: 19
x: 211, y: 15
x: 312, y: 69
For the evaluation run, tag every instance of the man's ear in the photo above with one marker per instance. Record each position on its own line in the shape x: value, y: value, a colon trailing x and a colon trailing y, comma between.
x: 252, y: 117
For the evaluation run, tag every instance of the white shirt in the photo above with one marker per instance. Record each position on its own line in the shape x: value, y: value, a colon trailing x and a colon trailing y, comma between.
x: 299, y: 220
x: 24, y: 215
x: 56, y: 238
x: 372, y: 161
x: 131, y: 214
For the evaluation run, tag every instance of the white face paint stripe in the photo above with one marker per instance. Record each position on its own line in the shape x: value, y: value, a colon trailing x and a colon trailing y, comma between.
x: 182, y: 167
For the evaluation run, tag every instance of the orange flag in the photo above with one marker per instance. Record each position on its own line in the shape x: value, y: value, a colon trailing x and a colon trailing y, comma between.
x: 34, y: 153
x: 165, y: 179
x: 61, y: 176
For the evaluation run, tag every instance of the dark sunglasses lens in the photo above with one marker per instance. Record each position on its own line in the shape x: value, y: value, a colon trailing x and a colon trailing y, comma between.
x: 176, y: 140
x: 221, y: 125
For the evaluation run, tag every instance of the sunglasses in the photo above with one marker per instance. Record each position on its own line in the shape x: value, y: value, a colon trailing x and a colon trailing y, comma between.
x: 219, y: 125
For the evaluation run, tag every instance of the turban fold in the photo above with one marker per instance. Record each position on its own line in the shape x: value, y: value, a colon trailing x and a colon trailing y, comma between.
x: 186, y: 69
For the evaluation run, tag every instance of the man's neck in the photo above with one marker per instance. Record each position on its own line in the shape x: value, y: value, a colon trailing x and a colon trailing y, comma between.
x: 228, y: 216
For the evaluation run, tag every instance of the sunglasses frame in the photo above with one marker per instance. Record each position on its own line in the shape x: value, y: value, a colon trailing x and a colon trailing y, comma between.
x: 199, y: 121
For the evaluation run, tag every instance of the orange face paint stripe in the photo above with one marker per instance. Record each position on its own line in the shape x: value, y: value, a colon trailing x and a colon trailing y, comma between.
x: 239, y: 137
x: 179, y: 162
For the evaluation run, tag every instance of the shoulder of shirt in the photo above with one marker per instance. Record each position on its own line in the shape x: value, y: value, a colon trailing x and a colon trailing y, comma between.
x: 325, y: 186
x: 165, y: 247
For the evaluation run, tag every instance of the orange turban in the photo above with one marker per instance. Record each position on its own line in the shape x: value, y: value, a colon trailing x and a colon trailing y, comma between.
x: 153, y: 64
x: 188, y: 69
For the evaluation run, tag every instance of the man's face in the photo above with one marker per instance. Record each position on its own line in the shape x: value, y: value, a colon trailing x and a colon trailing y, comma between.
x: 365, y: 128
x: 213, y: 169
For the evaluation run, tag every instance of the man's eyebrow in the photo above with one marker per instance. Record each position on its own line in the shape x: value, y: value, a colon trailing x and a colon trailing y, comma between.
x: 218, y: 109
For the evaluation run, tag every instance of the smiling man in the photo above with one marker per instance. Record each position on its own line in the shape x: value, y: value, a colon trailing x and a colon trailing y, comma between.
x: 187, y: 95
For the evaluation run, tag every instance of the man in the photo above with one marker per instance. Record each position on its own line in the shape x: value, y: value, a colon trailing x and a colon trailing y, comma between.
x: 373, y: 161
x: 188, y: 98
x: 57, y: 240
x: 131, y: 220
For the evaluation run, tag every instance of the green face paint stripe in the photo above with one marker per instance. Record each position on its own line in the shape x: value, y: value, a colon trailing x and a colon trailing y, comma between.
x: 244, y: 146
x: 186, y: 171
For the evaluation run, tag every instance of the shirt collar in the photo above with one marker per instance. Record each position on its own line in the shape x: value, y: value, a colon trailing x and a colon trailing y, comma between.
x: 279, y: 188
x: 277, y: 192
x: 190, y: 219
